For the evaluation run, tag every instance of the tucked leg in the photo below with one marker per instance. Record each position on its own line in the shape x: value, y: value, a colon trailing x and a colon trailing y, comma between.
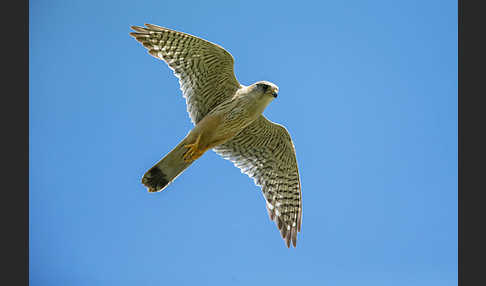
x: 194, y: 150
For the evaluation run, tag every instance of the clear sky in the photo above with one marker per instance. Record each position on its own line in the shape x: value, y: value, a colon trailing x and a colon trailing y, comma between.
x: 368, y: 92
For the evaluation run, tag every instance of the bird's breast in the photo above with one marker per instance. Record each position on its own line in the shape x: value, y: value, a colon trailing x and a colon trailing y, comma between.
x: 234, y: 116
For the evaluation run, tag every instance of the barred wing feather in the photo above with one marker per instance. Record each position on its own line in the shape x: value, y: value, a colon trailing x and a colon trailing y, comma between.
x: 265, y: 152
x: 205, y: 70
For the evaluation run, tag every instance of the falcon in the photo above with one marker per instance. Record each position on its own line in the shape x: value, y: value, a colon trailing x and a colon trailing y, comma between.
x: 228, y: 118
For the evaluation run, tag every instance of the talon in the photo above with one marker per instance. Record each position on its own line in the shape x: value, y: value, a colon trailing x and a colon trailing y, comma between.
x: 193, y: 153
x: 188, y: 156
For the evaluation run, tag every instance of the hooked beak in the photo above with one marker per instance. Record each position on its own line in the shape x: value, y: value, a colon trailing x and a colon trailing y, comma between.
x: 275, y: 94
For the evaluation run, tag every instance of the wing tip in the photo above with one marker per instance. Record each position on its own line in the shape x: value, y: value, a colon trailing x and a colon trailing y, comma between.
x: 288, y: 235
x: 148, y: 27
x: 136, y: 35
x: 139, y: 29
x: 154, y: 27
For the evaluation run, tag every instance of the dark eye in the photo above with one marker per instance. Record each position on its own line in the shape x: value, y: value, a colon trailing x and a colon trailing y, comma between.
x: 264, y: 87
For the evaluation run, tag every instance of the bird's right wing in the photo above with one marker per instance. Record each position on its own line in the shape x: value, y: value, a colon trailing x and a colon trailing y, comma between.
x: 205, y: 70
x: 265, y: 152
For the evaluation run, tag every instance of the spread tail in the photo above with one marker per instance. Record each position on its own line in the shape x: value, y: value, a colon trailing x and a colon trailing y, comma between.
x: 166, y: 170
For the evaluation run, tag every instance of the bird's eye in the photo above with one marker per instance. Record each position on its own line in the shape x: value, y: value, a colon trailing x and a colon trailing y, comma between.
x: 264, y: 87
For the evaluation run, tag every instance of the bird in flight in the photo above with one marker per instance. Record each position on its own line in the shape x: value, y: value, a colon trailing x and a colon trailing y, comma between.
x: 228, y: 119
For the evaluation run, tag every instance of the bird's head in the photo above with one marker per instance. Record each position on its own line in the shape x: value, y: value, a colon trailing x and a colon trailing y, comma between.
x: 266, y: 88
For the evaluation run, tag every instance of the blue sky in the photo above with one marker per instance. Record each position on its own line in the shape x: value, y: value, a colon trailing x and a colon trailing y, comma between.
x: 368, y: 92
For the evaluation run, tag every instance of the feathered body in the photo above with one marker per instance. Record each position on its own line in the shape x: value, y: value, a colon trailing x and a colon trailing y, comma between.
x: 218, y: 126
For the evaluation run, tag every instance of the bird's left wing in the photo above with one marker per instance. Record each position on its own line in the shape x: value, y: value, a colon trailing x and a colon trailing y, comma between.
x: 265, y: 152
x: 205, y: 70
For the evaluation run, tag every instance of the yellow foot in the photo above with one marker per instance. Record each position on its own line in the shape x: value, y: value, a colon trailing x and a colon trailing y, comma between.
x: 193, y: 153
